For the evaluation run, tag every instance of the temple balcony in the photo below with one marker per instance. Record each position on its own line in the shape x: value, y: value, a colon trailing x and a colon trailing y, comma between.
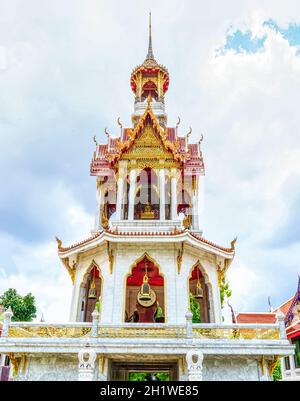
x: 220, y: 339
x: 147, y: 225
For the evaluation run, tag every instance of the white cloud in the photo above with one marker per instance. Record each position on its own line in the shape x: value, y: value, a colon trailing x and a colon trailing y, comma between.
x: 37, y: 268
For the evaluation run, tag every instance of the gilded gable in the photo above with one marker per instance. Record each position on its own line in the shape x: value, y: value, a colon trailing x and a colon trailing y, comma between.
x: 148, y: 150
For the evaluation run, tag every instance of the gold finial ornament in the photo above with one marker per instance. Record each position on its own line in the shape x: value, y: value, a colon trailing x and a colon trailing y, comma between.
x: 232, y: 243
x: 59, y: 242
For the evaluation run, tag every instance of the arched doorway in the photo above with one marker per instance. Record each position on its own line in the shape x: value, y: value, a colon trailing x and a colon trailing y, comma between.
x: 145, y: 300
x: 199, y: 296
x: 91, y: 291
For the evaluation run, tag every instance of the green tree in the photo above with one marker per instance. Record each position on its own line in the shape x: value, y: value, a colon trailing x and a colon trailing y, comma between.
x: 143, y: 376
x: 277, y: 372
x: 225, y: 291
x: 195, y: 309
x: 23, y: 308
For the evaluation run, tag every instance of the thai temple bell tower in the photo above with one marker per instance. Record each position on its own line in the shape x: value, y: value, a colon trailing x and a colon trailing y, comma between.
x: 146, y: 283
x: 147, y: 235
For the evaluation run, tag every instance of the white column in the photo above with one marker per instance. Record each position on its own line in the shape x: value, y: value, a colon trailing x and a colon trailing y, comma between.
x: 173, y: 194
x: 120, y: 194
x: 292, y: 364
x: 132, y: 179
x: 162, y: 198
x: 198, y: 203
x: 98, y: 217
x: 195, y: 206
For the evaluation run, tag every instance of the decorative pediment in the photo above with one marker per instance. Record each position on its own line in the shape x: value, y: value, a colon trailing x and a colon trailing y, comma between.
x: 148, y: 150
x: 147, y: 144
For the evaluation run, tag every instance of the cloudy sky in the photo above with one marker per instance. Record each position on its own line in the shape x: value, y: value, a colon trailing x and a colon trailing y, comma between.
x: 235, y: 76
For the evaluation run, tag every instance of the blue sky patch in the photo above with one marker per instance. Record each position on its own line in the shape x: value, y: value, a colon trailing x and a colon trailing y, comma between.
x: 291, y: 34
x: 245, y: 42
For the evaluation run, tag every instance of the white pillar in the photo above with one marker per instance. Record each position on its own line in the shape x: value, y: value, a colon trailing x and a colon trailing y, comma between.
x: 189, y: 324
x: 293, y: 366
x: 281, y: 325
x: 95, y: 321
x: 98, y: 217
x: 132, y: 180
x: 197, y: 203
x: 162, y: 198
x: 173, y: 194
x: 120, y: 194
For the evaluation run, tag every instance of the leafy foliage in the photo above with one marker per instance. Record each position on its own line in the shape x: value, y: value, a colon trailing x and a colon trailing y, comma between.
x: 225, y: 291
x: 23, y: 308
x: 277, y: 372
x: 143, y: 376
x: 195, y: 309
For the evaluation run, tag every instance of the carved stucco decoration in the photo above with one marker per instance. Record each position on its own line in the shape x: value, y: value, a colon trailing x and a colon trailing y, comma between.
x: 194, y: 359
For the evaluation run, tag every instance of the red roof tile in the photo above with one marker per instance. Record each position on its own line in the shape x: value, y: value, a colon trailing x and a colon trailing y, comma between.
x: 137, y: 233
x: 256, y: 317
x: 285, y: 307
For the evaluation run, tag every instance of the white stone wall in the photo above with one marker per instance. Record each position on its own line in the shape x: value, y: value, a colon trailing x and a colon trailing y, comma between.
x: 165, y: 256
x: 52, y: 368
x: 65, y: 368
x: 223, y: 369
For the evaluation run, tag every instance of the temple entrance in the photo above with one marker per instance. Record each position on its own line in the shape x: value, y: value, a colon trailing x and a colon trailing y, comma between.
x: 90, y: 293
x: 199, y: 296
x: 145, y: 301
x: 143, y: 371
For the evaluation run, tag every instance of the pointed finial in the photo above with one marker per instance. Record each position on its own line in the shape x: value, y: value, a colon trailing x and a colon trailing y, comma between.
x: 150, y: 55
x: 232, y: 243
x: 59, y: 242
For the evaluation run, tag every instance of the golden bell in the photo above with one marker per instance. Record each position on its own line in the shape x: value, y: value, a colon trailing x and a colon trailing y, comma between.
x: 199, y: 292
x: 145, y: 290
x: 92, y: 291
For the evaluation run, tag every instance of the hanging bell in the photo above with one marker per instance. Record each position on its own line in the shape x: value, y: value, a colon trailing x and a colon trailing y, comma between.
x: 199, y: 292
x: 92, y: 291
x: 145, y: 290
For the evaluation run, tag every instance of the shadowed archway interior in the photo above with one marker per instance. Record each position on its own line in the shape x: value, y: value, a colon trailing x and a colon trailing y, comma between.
x: 134, y: 311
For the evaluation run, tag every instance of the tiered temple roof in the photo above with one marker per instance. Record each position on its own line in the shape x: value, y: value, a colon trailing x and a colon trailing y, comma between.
x: 107, y: 155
